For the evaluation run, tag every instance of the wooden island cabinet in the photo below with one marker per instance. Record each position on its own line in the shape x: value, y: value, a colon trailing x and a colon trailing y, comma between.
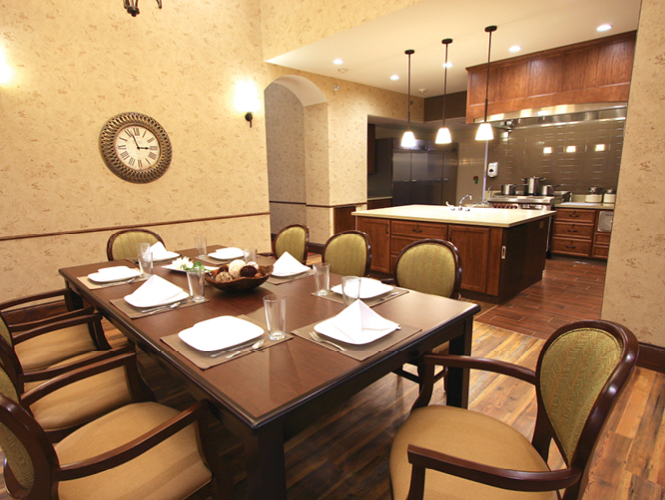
x: 502, y: 251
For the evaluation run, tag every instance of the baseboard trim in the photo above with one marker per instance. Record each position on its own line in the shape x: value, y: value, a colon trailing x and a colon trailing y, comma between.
x: 651, y: 357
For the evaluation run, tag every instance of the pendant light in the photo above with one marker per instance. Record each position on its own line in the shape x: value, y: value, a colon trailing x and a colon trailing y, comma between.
x: 485, y: 132
x: 408, y: 139
x: 443, y: 135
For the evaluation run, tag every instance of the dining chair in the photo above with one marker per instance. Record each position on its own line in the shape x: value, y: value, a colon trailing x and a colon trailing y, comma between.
x: 124, y: 244
x: 40, y: 309
x: 469, y: 455
x: 141, y: 451
x: 55, y: 340
x: 429, y: 266
x: 60, y: 401
x: 293, y: 239
x: 349, y: 253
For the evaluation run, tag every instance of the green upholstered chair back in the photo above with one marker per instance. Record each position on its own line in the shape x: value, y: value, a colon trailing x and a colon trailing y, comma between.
x: 349, y: 253
x: 430, y: 266
x: 581, y: 370
x: 4, y: 331
x: 293, y: 239
x: 124, y: 244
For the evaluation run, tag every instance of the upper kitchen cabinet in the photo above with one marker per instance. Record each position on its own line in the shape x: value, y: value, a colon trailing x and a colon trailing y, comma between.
x: 590, y: 72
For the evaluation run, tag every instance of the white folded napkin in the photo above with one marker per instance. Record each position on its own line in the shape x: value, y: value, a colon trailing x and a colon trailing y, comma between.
x: 357, y: 324
x: 154, y: 292
x: 287, y: 265
x: 159, y: 252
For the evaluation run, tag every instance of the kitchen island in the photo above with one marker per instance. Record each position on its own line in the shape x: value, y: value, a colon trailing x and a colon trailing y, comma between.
x: 503, y: 251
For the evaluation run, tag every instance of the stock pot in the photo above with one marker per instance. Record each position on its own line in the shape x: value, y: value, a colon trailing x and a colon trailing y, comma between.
x: 532, y: 185
x: 508, y: 189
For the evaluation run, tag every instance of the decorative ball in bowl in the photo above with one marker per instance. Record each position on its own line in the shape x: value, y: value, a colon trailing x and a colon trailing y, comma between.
x: 222, y: 279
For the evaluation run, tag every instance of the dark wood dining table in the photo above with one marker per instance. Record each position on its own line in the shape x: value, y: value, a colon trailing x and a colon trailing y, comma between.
x: 268, y: 396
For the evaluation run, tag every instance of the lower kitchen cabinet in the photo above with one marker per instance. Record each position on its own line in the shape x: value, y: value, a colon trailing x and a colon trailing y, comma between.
x: 497, y: 262
x: 378, y: 231
x: 575, y: 233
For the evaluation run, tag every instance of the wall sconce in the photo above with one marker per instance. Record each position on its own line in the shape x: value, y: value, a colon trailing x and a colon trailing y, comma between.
x: 246, y: 100
x: 132, y: 6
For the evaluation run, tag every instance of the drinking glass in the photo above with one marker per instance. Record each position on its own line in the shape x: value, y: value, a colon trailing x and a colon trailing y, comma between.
x: 143, y: 247
x: 275, y: 307
x: 201, y: 245
x: 145, y: 263
x: 350, y: 289
x: 250, y: 254
x: 196, y: 281
x: 322, y: 277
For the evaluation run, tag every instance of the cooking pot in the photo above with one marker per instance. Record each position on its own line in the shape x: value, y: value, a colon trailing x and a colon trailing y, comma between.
x: 508, y: 189
x: 548, y: 189
x: 532, y: 185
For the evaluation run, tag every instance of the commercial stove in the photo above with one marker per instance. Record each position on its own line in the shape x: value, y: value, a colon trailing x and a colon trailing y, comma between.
x: 527, y: 202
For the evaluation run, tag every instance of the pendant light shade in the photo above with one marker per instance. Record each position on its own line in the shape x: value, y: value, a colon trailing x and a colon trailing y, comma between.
x: 408, y: 139
x: 485, y: 132
x: 443, y: 135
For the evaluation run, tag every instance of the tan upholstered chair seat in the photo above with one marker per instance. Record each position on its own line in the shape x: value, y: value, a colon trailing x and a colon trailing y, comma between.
x: 53, y: 347
x: 468, y: 435
x: 82, y: 401
x: 171, y: 470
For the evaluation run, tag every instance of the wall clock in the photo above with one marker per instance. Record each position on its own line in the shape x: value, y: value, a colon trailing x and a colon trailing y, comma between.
x: 135, y: 147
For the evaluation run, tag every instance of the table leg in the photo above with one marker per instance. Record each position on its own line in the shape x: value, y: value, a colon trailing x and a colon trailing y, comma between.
x: 457, y: 381
x: 266, y: 472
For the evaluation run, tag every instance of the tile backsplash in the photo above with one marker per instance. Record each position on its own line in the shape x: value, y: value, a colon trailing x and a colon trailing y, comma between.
x: 576, y: 155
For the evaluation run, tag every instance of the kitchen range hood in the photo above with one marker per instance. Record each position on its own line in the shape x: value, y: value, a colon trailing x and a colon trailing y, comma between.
x: 558, y: 115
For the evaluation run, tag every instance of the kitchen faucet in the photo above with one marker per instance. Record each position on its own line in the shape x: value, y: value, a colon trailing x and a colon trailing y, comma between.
x: 464, y: 198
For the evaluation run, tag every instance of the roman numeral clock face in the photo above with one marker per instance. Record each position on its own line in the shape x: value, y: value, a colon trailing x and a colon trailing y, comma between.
x: 135, y: 147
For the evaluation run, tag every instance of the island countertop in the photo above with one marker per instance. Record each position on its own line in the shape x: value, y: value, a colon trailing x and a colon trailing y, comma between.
x: 488, y: 217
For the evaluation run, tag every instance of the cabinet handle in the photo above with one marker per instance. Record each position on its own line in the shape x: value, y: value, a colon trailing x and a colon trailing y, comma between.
x: 503, y: 252
x: 567, y: 246
x: 417, y: 230
x: 572, y: 231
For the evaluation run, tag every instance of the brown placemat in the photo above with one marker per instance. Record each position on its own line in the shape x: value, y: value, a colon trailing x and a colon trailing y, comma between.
x: 276, y: 280
x: 204, y: 361
x: 337, y: 297
x: 93, y: 286
x: 364, y: 351
x: 135, y: 313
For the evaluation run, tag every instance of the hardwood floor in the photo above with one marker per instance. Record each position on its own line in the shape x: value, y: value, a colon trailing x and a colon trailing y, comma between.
x: 345, y: 454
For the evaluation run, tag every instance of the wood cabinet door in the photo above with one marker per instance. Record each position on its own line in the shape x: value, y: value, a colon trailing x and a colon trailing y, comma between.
x: 378, y: 231
x: 473, y: 246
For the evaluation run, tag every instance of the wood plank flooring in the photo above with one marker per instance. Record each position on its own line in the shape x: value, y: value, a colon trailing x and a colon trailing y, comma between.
x: 345, y: 454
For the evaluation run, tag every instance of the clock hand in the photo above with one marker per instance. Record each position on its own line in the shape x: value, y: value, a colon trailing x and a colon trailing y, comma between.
x: 136, y: 142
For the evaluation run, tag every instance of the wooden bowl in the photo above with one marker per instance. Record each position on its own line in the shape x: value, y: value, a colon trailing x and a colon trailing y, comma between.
x: 239, y: 284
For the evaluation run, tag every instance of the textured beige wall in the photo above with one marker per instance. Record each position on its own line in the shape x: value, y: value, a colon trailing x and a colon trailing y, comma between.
x: 307, y: 21
x: 77, y: 65
x: 285, y: 140
x: 635, y: 282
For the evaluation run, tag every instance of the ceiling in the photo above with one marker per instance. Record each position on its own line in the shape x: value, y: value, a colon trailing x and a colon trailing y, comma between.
x: 374, y: 51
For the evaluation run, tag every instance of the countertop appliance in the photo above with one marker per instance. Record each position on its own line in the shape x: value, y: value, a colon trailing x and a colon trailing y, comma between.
x: 605, y: 221
x: 528, y: 202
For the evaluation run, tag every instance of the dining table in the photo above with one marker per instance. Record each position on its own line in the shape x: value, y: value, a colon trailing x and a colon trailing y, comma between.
x: 267, y: 396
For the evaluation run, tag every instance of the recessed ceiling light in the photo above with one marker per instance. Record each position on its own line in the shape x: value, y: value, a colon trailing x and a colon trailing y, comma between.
x: 515, y: 48
x: 604, y: 27
x: 448, y: 65
x: 338, y: 61
x: 394, y: 77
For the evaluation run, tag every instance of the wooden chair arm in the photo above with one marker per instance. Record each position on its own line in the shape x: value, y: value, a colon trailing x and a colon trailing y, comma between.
x: 20, y: 327
x: 65, y: 292
x: 56, y: 325
x: 491, y: 365
x: 126, y: 359
x: 49, y: 373
x: 134, y: 448
x: 423, y: 458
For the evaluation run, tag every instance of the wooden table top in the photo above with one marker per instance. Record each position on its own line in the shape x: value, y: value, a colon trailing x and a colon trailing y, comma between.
x: 278, y: 381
